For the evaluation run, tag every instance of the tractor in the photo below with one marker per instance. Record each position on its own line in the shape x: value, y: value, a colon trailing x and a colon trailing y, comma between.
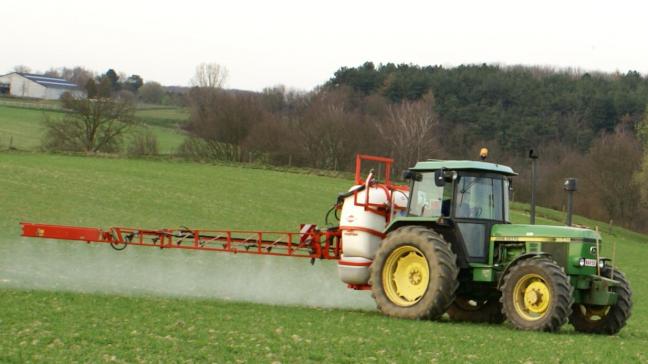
x: 454, y: 250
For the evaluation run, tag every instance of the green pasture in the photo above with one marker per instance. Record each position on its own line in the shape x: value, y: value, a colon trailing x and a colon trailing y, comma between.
x: 75, y: 302
x: 23, y: 127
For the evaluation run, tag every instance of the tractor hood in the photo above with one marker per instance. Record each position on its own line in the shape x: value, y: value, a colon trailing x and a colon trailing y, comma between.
x: 520, y: 232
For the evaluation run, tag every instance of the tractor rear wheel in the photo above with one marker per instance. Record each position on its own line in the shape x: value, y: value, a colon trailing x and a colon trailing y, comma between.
x: 414, y: 274
x: 476, y: 310
x: 537, y: 295
x: 607, y: 320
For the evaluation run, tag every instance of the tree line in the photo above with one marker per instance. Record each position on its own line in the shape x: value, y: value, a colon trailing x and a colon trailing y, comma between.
x: 584, y: 125
x: 592, y: 126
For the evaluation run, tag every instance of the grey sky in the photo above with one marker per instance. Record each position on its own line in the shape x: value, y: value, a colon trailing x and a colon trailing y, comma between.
x: 301, y: 43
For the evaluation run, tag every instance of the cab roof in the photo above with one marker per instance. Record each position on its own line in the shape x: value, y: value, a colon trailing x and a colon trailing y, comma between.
x: 434, y: 164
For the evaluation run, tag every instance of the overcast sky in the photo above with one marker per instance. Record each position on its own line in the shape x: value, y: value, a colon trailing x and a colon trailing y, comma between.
x: 302, y: 43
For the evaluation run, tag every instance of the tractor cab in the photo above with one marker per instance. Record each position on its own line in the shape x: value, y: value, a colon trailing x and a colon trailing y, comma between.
x: 464, y: 199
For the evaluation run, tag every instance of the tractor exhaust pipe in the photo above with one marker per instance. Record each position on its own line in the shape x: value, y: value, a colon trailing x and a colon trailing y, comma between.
x: 570, y: 187
x: 534, y: 161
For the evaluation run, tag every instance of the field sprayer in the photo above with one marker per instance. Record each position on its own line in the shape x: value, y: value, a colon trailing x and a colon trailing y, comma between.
x: 442, y: 244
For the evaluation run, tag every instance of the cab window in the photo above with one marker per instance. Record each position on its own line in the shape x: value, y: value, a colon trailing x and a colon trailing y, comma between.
x: 429, y: 200
x: 480, y: 198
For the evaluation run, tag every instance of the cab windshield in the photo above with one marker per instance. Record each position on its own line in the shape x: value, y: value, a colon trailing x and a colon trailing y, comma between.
x: 429, y: 200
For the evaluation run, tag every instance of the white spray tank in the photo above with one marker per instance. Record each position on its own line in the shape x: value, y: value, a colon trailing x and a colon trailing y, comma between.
x: 366, y: 210
x: 363, y: 219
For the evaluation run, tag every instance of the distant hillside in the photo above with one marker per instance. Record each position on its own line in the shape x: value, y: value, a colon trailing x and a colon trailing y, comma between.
x: 515, y: 106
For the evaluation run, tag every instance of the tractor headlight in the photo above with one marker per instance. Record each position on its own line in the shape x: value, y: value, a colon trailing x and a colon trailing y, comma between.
x: 601, y: 264
x: 581, y: 262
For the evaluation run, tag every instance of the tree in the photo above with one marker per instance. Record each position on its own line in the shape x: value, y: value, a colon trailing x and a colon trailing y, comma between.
x: 91, y: 89
x: 411, y: 131
x: 613, y: 163
x: 151, y: 92
x: 105, y: 88
x: 330, y: 130
x: 642, y: 130
x: 642, y: 176
x: 22, y: 69
x: 222, y: 120
x: 112, y: 76
x: 133, y: 83
x: 209, y: 75
x: 89, y: 125
x: 78, y: 75
x: 52, y: 72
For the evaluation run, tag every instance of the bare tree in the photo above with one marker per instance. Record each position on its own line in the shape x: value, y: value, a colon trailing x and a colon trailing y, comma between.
x: 642, y: 175
x: 52, y: 72
x: 221, y: 121
x: 613, y: 161
x: 90, y: 126
x: 331, y: 130
x: 209, y: 75
x: 78, y: 75
x: 323, y: 133
x: 411, y: 130
x: 21, y: 68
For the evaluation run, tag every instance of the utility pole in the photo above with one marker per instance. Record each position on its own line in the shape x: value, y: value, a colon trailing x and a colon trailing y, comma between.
x: 534, y: 161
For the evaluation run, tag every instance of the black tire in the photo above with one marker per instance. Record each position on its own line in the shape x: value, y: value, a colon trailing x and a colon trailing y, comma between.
x: 442, y: 267
x: 553, y: 312
x: 605, y: 320
x: 476, y: 310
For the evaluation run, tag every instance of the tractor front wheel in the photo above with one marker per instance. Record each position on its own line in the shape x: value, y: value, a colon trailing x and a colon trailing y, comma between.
x: 606, y: 320
x: 414, y: 274
x: 537, y: 295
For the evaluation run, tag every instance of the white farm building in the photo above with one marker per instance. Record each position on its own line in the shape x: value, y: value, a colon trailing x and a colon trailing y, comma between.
x: 20, y: 84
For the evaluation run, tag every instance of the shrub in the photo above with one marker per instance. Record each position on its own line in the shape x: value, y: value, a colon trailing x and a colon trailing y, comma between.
x: 143, y: 144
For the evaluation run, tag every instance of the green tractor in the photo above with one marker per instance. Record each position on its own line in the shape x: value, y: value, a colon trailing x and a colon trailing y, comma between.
x: 455, y: 251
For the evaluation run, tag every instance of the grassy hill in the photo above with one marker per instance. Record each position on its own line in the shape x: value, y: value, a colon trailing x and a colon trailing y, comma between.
x: 23, y: 126
x: 65, y: 301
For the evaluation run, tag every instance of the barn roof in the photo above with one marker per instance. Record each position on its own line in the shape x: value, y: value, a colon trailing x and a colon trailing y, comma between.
x: 49, y: 82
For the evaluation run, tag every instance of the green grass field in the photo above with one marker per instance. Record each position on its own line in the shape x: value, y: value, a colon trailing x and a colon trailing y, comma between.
x: 23, y: 127
x: 73, y: 302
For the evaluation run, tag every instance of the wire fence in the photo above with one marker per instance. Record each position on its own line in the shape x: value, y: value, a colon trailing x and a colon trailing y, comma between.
x: 31, y: 105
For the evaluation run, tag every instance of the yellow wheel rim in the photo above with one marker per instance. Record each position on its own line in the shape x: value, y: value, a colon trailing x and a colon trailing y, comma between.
x: 531, y: 297
x: 405, y: 275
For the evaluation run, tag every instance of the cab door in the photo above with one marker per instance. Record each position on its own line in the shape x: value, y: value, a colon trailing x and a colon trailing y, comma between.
x: 479, y: 203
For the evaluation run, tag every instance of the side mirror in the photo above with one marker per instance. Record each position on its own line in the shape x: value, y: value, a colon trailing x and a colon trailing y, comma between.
x: 413, y: 175
x: 449, y: 176
x: 439, y: 178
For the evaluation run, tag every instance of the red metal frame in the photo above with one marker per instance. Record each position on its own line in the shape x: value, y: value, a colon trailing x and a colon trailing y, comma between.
x: 387, y: 186
x: 363, y: 157
x: 308, y: 243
